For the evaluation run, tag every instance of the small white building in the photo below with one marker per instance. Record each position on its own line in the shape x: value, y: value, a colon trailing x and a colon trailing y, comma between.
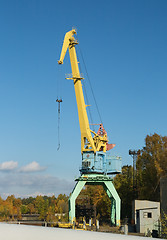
x: 146, y: 215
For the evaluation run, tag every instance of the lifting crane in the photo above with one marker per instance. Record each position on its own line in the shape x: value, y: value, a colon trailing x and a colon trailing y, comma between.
x: 93, y: 145
x: 96, y: 163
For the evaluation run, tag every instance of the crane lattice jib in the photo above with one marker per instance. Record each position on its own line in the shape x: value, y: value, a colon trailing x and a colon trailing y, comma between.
x: 90, y: 141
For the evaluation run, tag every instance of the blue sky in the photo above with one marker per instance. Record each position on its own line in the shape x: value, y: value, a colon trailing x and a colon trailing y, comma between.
x: 125, y: 51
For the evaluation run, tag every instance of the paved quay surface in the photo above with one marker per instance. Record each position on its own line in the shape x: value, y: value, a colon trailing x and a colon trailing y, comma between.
x: 18, y: 232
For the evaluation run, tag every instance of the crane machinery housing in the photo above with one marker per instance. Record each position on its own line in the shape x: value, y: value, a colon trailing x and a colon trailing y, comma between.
x: 97, y: 163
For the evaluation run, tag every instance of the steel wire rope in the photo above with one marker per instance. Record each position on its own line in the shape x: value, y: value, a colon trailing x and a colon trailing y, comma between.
x: 86, y: 95
x: 91, y: 86
x: 59, y: 100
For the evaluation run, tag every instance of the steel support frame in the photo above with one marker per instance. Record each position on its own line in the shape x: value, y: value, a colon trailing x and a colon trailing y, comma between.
x: 97, y: 179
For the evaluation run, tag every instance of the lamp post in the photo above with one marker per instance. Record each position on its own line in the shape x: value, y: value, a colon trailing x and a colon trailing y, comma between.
x: 134, y: 154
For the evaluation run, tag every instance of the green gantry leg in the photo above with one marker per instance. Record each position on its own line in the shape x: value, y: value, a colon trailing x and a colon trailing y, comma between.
x: 77, y: 189
x: 115, y: 202
x: 106, y: 182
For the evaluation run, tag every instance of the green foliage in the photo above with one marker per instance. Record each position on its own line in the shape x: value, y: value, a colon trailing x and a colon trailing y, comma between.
x: 24, y: 209
x: 144, y: 182
x: 27, y: 201
x: 40, y: 207
x: 164, y: 225
x: 151, y: 166
x: 96, y: 197
x: 104, y: 208
x: 124, y: 186
x: 45, y: 206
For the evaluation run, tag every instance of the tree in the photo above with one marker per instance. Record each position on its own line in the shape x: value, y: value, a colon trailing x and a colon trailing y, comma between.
x: 31, y: 208
x: 103, y: 205
x: 26, y: 201
x: 10, y: 207
x: 62, y: 203
x: 163, y: 220
x: 40, y: 207
x: 151, y: 166
x: 24, y: 209
x: 17, y: 205
x: 95, y: 197
x: 50, y: 214
x: 124, y: 185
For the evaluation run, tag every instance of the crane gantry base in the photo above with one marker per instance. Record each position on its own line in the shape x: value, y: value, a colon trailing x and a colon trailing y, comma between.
x: 97, y: 179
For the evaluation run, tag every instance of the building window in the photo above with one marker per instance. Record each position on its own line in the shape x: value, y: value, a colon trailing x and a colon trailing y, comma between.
x: 147, y: 215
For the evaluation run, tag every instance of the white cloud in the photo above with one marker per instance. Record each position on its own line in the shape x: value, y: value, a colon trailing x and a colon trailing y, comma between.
x: 32, y: 167
x: 26, y: 184
x: 8, y: 166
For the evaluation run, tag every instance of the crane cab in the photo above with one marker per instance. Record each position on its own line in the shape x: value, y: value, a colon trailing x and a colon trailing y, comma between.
x: 100, y: 163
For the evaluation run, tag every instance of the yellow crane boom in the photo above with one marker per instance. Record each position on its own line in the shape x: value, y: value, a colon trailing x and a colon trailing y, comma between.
x: 90, y: 141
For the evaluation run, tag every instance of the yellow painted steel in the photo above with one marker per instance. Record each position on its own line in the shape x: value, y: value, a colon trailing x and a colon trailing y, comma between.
x: 64, y: 225
x: 90, y: 141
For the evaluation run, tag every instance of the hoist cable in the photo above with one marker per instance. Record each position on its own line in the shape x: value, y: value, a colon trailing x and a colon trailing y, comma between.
x: 90, y: 86
x: 58, y: 130
x: 86, y: 96
x: 59, y: 84
x: 59, y: 100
